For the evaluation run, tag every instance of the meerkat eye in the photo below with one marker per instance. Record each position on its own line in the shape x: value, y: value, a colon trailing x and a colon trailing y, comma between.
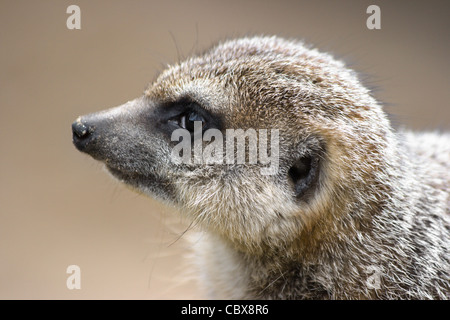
x: 186, y: 120
x: 188, y: 115
x: 191, y: 118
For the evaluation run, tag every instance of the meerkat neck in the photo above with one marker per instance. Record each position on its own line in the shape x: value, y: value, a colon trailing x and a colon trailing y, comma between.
x: 340, y: 242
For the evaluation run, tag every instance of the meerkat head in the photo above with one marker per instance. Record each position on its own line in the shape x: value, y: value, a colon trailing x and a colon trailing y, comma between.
x: 255, y: 140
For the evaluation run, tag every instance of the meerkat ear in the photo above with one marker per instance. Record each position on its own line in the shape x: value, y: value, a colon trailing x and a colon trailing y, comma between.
x: 304, y: 175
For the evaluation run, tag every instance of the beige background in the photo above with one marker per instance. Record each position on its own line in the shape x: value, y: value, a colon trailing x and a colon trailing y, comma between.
x: 58, y: 207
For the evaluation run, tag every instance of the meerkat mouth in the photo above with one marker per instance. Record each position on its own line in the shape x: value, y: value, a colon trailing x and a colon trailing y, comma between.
x: 122, y: 175
x: 149, y: 183
x: 131, y: 178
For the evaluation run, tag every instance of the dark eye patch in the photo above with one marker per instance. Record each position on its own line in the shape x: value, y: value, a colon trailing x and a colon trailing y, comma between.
x: 182, y: 114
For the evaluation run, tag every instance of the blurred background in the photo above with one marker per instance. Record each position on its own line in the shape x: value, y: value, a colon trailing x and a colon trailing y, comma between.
x: 58, y: 207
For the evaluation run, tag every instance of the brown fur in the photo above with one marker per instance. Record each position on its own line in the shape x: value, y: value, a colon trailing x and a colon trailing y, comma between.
x: 380, y: 202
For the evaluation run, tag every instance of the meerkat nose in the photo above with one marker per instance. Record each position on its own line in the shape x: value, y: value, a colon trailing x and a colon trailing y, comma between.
x: 79, y: 128
x: 81, y: 133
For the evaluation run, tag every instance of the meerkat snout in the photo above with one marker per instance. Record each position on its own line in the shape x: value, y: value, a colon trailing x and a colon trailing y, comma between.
x: 292, y: 172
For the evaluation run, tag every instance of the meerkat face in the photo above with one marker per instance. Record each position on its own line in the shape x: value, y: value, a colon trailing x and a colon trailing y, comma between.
x: 290, y: 114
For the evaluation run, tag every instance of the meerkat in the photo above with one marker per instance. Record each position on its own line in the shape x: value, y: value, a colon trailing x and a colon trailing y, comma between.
x: 355, y: 209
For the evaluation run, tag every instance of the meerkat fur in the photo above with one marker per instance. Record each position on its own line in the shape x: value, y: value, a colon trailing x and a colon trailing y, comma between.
x: 356, y: 210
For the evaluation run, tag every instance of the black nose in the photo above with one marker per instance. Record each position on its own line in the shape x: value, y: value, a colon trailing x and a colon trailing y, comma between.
x: 82, y: 134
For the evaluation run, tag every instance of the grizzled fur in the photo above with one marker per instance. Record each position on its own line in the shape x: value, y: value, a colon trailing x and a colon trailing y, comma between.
x: 375, y: 224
